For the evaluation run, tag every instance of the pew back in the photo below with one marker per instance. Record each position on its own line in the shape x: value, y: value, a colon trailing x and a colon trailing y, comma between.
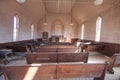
x: 45, y: 72
x: 43, y: 49
x: 67, y: 50
x: 73, y: 57
x: 48, y: 57
x: 41, y: 57
x: 96, y: 71
x: 48, y: 49
x: 54, y: 71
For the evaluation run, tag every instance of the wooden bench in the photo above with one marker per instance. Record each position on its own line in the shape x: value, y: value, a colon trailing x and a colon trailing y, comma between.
x: 52, y: 71
x: 18, y: 48
x: 50, y: 57
x: 115, y: 59
x: 4, y: 54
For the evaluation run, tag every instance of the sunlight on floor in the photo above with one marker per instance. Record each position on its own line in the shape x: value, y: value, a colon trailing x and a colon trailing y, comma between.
x: 30, y: 73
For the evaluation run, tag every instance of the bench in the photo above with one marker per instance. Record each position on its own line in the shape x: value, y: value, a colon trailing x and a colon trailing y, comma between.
x: 18, y: 48
x: 52, y: 71
x: 4, y: 53
x: 50, y: 57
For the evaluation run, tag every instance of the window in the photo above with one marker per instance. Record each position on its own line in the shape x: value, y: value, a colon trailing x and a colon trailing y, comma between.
x: 98, y: 29
x: 82, y: 31
x: 32, y: 31
x: 15, y: 28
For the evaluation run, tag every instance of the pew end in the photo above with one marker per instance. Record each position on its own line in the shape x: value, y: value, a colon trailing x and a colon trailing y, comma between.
x: 114, y: 60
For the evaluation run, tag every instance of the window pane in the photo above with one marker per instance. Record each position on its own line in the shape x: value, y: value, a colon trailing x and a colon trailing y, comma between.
x: 98, y: 28
x: 15, y: 28
x: 82, y: 31
x: 32, y: 31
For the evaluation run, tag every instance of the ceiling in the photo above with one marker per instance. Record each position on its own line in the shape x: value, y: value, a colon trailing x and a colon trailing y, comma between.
x: 85, y: 9
x: 59, y: 6
x: 81, y: 9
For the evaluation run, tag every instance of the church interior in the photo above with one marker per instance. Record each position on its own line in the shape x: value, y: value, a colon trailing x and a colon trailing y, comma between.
x: 59, y: 39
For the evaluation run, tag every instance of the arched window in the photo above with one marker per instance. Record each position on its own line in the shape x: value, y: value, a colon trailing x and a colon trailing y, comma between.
x: 32, y: 31
x: 15, y: 28
x: 98, y: 29
x: 82, y: 31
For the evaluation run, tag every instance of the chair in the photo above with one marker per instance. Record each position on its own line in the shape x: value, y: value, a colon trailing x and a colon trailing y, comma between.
x: 45, y: 37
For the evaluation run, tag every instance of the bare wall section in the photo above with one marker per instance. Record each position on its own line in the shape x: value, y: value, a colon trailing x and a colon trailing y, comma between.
x: 110, y: 26
x: 7, y: 12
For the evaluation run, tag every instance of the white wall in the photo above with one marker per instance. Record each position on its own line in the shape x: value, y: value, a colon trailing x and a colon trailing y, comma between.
x: 69, y: 31
x: 7, y: 12
x: 110, y: 26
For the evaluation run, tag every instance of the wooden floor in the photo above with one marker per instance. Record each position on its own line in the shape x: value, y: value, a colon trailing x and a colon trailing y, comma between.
x: 93, y: 57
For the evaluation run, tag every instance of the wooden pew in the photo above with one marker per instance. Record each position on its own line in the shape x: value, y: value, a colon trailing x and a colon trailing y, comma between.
x: 18, y: 48
x: 4, y: 54
x: 115, y: 59
x: 50, y: 57
x: 52, y: 71
x: 46, y: 49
